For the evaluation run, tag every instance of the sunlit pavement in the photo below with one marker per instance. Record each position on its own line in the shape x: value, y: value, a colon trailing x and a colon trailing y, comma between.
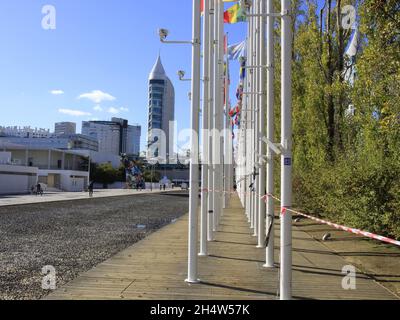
x: 68, y: 196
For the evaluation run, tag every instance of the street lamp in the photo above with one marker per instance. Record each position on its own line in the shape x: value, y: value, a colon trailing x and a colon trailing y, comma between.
x: 181, y: 75
x: 163, y: 34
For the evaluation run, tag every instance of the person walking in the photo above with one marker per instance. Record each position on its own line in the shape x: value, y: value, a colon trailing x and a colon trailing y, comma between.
x: 39, y: 190
x: 90, y: 189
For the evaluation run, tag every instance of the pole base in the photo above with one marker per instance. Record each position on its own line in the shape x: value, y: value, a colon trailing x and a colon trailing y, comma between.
x: 260, y: 247
x: 268, y: 266
x: 197, y: 281
x: 203, y: 255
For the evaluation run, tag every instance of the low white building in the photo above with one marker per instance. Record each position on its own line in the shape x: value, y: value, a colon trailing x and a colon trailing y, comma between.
x: 15, y: 179
x: 63, y: 170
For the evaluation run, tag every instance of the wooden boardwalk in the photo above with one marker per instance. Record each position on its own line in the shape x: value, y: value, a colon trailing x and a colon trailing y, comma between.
x: 156, y: 267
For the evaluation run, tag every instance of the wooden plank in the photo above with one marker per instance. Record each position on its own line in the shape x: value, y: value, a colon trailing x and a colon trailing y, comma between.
x: 156, y: 267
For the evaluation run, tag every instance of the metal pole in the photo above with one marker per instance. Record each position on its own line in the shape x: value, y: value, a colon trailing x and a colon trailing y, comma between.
x: 248, y: 127
x: 262, y: 146
x: 251, y: 108
x: 211, y: 123
x: 270, y: 259
x: 229, y: 141
x: 217, y: 117
x: 226, y: 132
x: 244, y: 136
x: 205, y: 133
x: 286, y: 158
x: 194, y: 155
x: 221, y: 107
x: 256, y: 118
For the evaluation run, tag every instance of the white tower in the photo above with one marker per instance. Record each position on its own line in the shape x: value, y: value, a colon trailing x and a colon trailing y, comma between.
x: 161, y: 114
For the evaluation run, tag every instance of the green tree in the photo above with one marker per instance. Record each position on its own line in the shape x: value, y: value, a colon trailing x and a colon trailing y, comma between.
x: 104, y: 174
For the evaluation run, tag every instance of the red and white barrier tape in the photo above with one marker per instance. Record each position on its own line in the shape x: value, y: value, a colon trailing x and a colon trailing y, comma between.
x: 335, y: 225
x: 217, y: 191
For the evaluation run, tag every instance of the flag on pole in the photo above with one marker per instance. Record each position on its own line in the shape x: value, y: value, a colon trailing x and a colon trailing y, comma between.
x: 234, y: 14
x: 237, y: 51
x: 202, y: 4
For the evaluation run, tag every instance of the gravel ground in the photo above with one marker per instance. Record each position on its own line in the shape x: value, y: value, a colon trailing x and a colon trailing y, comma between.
x: 74, y: 236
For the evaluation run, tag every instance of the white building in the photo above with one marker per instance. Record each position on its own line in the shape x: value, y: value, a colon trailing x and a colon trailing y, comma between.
x: 64, y: 128
x: 115, y: 136
x: 25, y: 132
x: 65, y: 142
x: 106, y: 133
x: 161, y: 113
x: 15, y: 179
x: 133, y: 139
x: 59, y: 169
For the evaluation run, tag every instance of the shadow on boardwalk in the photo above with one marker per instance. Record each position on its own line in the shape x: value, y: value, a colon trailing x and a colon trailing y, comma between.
x: 156, y: 268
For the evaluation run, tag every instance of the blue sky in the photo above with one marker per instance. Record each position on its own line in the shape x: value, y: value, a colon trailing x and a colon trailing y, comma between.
x: 104, y: 45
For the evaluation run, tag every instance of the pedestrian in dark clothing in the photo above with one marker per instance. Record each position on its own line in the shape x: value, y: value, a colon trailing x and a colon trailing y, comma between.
x: 90, y: 188
x: 39, y: 189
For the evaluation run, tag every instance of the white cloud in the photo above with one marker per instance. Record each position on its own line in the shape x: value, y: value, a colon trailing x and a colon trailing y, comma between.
x: 113, y: 110
x: 124, y: 109
x: 98, y: 108
x: 97, y: 96
x: 74, y: 113
x: 57, y: 92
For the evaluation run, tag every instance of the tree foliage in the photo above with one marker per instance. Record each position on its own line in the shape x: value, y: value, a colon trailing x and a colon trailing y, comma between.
x: 106, y: 174
x: 347, y: 166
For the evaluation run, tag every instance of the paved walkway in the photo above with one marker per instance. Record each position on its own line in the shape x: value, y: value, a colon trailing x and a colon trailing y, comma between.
x: 156, y: 267
x: 13, y: 200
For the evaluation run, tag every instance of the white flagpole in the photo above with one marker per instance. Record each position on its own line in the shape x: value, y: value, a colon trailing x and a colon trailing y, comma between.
x: 217, y: 119
x: 211, y: 123
x: 245, y: 125
x: 194, y: 156
x: 251, y: 119
x: 262, y: 146
x: 286, y: 158
x: 270, y: 260
x: 205, y: 133
x: 256, y: 116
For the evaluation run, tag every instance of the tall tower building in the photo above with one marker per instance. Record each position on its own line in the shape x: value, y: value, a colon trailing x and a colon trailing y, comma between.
x: 161, y: 114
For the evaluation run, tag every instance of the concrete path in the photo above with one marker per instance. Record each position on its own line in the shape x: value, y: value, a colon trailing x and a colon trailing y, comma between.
x: 13, y: 200
x: 156, y: 267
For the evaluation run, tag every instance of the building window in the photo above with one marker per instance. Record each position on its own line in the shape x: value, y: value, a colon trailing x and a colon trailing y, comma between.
x: 156, y: 96
x: 157, y: 82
